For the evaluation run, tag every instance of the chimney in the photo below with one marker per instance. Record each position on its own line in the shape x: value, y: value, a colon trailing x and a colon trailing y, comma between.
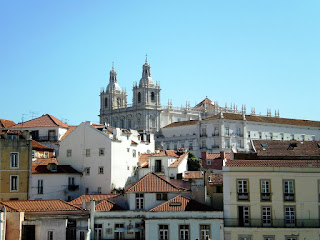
x: 204, y: 155
x: 222, y: 155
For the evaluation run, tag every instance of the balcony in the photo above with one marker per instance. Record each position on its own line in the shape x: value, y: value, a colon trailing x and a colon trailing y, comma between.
x: 289, y: 197
x: 73, y: 187
x: 265, y: 197
x: 215, y: 146
x: 239, y: 134
x: 203, y: 135
x: 215, y: 134
x: 272, y: 223
x: 243, y: 196
x: 157, y: 169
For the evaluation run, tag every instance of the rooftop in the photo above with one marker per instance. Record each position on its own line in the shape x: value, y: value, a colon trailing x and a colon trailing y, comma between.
x: 45, y: 120
x: 6, y: 123
x: 107, y: 205
x: 88, y: 197
x: 43, y: 169
x: 274, y: 163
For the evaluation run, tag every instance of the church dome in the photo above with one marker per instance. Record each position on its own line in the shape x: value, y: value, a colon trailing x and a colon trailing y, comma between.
x: 113, y: 85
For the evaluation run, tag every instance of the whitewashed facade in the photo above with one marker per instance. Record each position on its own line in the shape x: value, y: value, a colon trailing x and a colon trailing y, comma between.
x: 108, y: 160
x: 230, y: 131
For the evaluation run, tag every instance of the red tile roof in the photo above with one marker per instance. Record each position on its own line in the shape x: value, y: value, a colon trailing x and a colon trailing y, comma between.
x: 144, y: 159
x: 184, y: 123
x: 216, y: 179
x: 88, y: 197
x: 286, y: 148
x: 181, y: 204
x: 205, y: 104
x: 38, y: 146
x: 152, y: 182
x: 41, y: 169
x: 177, y: 162
x: 6, y: 123
x: 70, y: 129
x: 273, y: 163
x: 44, y: 161
x: 39, y: 205
x: 107, y: 205
x: 193, y: 175
x: 45, y: 120
x: 274, y: 120
x: 213, y: 156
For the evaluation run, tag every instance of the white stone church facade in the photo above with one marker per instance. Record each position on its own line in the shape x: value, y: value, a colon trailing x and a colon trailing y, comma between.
x: 146, y: 112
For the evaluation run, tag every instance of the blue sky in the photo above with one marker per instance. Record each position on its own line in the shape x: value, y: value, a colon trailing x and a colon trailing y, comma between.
x: 56, y: 55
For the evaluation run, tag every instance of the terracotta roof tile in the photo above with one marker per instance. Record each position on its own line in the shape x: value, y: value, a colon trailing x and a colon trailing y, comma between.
x: 6, y: 123
x: 205, y: 104
x: 286, y: 148
x: 88, y: 197
x: 70, y: 129
x: 273, y: 163
x: 177, y: 162
x: 144, y: 160
x: 184, y: 123
x: 45, y: 120
x: 213, y: 156
x: 216, y: 179
x: 39, y: 205
x: 162, y: 153
x: 38, y: 146
x: 107, y: 205
x: 41, y: 169
x: 152, y: 182
x: 274, y: 120
x: 181, y: 204
x: 193, y: 175
x: 44, y: 161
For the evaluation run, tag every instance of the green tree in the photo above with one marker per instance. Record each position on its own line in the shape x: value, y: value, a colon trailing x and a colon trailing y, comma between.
x: 194, y: 163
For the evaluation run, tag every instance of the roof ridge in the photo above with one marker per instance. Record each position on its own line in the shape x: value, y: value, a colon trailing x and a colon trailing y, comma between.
x: 168, y: 201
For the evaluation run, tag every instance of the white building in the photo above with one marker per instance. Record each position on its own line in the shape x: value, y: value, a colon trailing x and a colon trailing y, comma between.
x: 153, y: 208
x: 54, y: 182
x: 227, y: 131
x: 146, y: 111
x: 106, y: 156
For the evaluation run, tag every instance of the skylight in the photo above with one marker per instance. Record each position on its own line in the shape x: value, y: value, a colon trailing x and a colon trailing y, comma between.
x: 264, y: 145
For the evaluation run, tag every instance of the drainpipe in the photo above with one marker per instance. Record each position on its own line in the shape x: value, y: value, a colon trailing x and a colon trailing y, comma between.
x: 92, y: 213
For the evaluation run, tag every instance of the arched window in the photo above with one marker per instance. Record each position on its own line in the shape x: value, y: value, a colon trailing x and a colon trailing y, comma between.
x: 119, y: 102
x: 106, y: 102
x: 139, y: 97
x: 152, y: 96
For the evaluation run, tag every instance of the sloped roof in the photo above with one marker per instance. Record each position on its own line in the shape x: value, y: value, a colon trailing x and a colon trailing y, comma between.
x: 216, y: 179
x: 70, y: 129
x: 45, y: 120
x: 204, y: 104
x: 213, y: 156
x: 274, y: 120
x: 41, y: 169
x: 181, y: 204
x: 183, y: 123
x: 4, y: 123
x: 274, y: 163
x: 286, y: 148
x: 39, y: 205
x: 193, y: 175
x: 152, y: 182
x: 177, y: 162
x: 44, y: 161
x: 38, y: 146
x: 107, y: 205
x: 144, y: 160
x: 88, y: 197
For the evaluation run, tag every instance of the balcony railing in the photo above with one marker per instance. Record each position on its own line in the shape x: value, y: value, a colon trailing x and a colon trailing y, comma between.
x: 273, y: 223
x: 157, y: 169
x: 73, y: 187
x: 265, y: 196
x: 215, y: 134
x: 46, y: 139
x: 288, y: 197
x: 243, y: 196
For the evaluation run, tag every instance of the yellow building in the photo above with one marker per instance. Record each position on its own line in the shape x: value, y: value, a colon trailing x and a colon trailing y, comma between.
x: 15, y: 165
x: 274, y: 199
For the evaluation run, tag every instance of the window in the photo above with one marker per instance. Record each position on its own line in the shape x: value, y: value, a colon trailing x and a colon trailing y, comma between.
x: 14, y: 163
x: 139, y: 97
x: 248, y: 134
x: 266, y: 216
x: 71, y: 181
x: 152, y: 96
x: 238, y: 133
x: 182, y: 145
x: 82, y: 235
x: 175, y: 146
x: 100, y: 170
x: 98, y: 231
x: 129, y: 123
x: 265, y: 190
x: 33, y: 153
x: 291, y: 238
x: 134, y: 153
x: 50, y: 235
x: 139, y: 200
x: 106, y: 102
x: 101, y: 151
x: 99, y: 190
x: 208, y: 162
x: 14, y: 183
x: 87, y: 190
x: 204, y: 232
x: 40, y: 186
x: 288, y: 190
x: 243, y: 216
x: 268, y: 237
x: 239, y: 143
x: 87, y: 171
x: 227, y: 143
x: 226, y: 130
x: 245, y: 237
x: 242, y: 187
x: 118, y: 231
x: 260, y: 135
x: 163, y: 231
x: 203, y: 132
x: 162, y: 196
x: 190, y: 146
x: 216, y: 131
x: 289, y: 213
x: 69, y: 153
x: 87, y: 152
x: 203, y: 144
x: 184, y: 232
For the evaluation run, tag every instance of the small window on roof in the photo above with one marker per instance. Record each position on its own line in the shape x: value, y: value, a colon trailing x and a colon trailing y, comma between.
x: 318, y: 145
x: 264, y: 145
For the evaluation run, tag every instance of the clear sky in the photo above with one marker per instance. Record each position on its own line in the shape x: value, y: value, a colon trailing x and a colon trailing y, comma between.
x: 56, y: 55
